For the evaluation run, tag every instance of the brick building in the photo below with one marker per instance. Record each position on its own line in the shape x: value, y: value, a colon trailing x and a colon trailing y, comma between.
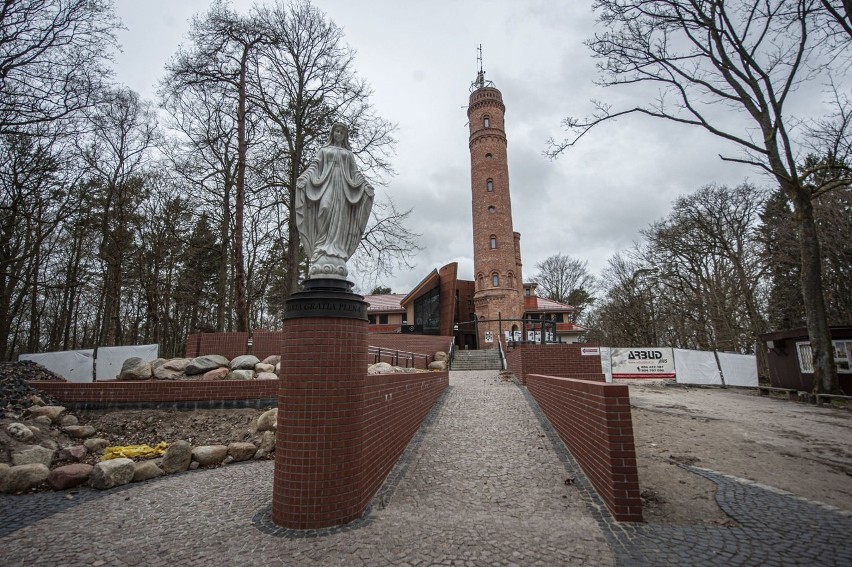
x: 496, y: 246
x: 498, y: 299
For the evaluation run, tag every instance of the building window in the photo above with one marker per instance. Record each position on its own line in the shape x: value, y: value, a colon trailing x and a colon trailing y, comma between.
x: 495, y: 279
x: 491, y: 209
x: 486, y: 122
x: 806, y: 358
x: 372, y: 319
x: 427, y: 311
x: 493, y: 242
x: 383, y: 319
x: 487, y: 156
x: 489, y: 185
x: 511, y: 280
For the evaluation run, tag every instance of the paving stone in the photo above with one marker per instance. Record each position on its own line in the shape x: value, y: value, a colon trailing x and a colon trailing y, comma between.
x: 472, y: 488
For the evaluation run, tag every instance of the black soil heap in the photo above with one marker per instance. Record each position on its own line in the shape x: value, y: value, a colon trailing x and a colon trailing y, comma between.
x: 15, y: 390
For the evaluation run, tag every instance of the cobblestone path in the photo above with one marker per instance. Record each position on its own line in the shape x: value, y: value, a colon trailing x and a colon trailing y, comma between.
x: 482, y: 483
x: 482, y: 486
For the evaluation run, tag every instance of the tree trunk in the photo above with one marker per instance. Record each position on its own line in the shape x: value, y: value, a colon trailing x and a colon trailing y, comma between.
x: 825, y: 373
x: 239, y: 261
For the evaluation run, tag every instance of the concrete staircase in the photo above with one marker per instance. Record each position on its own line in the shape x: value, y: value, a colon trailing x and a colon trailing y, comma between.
x: 488, y: 359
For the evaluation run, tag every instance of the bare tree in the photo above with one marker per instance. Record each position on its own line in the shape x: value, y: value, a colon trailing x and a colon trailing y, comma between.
x: 305, y: 81
x: 749, y: 56
x: 52, y: 58
x: 116, y: 153
x: 567, y: 280
x: 223, y: 42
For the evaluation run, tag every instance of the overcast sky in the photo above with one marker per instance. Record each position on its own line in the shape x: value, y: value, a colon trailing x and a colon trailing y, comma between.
x: 420, y: 58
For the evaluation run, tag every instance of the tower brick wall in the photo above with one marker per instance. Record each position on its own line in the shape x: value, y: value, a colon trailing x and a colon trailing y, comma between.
x: 496, y: 247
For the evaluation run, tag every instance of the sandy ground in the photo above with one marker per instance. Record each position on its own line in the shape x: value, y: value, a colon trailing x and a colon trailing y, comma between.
x: 803, y: 449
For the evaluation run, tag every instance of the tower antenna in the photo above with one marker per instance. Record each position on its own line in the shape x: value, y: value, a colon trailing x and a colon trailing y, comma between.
x: 480, y: 81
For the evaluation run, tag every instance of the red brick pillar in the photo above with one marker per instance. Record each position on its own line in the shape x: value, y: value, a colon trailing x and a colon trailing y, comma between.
x: 317, y: 480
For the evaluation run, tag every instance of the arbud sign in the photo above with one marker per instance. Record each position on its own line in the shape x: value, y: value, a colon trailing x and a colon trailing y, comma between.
x: 642, y: 363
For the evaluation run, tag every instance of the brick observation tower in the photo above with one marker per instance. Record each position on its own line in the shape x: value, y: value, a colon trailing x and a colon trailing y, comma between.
x: 496, y: 247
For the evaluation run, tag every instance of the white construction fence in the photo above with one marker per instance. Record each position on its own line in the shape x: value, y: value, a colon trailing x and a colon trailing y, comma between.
x: 80, y: 365
x: 686, y: 366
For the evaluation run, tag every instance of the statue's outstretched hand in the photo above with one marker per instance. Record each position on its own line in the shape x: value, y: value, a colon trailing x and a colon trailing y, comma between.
x: 369, y: 189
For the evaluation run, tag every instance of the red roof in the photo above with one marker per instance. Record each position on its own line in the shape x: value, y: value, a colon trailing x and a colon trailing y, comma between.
x: 535, y: 303
x: 387, y: 303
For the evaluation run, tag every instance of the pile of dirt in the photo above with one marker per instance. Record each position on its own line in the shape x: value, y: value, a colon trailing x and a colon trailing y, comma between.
x: 16, y: 393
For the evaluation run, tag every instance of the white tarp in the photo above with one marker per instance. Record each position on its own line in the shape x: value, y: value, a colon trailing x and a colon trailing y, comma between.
x: 696, y: 367
x: 642, y: 363
x: 739, y: 369
x: 606, y: 363
x: 73, y: 365
x: 110, y: 359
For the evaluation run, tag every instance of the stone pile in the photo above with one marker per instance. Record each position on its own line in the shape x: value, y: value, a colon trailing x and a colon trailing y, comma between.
x: 47, y: 448
x: 208, y: 367
x: 16, y: 394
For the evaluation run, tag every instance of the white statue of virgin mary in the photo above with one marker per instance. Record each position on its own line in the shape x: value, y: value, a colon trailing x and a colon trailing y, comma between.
x: 333, y: 203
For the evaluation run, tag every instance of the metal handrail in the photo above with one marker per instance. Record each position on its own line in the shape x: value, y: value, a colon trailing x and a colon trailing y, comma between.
x: 394, y: 355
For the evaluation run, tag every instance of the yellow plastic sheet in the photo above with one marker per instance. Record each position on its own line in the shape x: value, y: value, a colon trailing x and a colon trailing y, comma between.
x: 135, y: 451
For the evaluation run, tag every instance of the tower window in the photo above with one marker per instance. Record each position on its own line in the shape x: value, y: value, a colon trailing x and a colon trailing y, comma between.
x: 487, y: 156
x: 495, y: 279
x: 489, y: 185
x: 493, y: 242
x: 491, y: 209
x: 486, y: 122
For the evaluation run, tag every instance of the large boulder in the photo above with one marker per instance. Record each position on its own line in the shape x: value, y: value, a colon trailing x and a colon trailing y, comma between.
x: 216, y: 374
x: 51, y: 412
x: 20, y: 432
x: 440, y: 356
x: 68, y: 419
x: 202, y: 364
x: 244, y: 362
x: 207, y: 455
x: 79, y: 431
x: 69, y: 476
x: 272, y: 359
x: 267, y: 376
x: 32, y: 454
x: 112, y: 473
x: 21, y: 478
x: 241, y: 375
x: 73, y: 453
x: 267, y: 442
x: 135, y: 368
x: 146, y: 470
x: 438, y: 365
x: 177, y: 457
x: 380, y: 368
x: 262, y: 367
x: 171, y: 369
x: 240, y: 451
x: 95, y: 445
x: 268, y: 420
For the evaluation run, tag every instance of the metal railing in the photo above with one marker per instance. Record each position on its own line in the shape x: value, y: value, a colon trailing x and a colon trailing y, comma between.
x: 395, y: 356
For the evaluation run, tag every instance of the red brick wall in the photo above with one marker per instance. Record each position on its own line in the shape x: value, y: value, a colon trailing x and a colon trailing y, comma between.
x: 339, y: 430
x: 394, y: 407
x: 594, y: 422
x: 317, y: 452
x: 229, y: 345
x: 554, y: 360
x: 141, y: 391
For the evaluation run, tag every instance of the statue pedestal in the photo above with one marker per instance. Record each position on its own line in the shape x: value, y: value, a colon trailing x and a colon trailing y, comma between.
x: 317, y: 481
